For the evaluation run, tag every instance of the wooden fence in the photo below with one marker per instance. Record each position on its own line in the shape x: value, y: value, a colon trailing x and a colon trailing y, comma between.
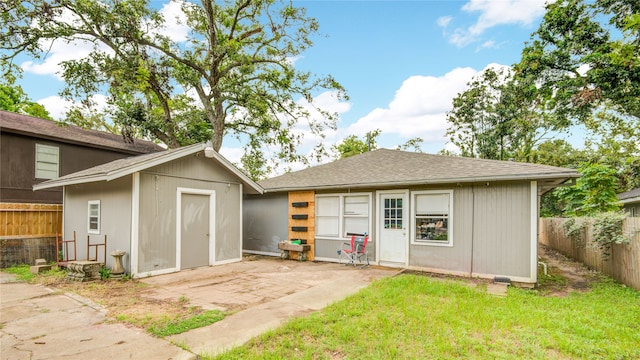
x: 623, y: 263
x: 28, y: 232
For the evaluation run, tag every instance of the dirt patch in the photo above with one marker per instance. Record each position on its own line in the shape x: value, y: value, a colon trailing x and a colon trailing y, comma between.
x: 127, y: 301
x: 563, y: 274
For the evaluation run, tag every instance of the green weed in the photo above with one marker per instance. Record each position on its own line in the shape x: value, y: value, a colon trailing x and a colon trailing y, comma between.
x: 167, y: 326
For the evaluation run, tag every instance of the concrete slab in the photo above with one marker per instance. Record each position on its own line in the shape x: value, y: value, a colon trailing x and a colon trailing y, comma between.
x: 38, y: 323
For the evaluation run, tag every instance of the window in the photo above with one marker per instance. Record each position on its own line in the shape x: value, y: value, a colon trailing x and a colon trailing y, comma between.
x: 393, y: 213
x: 94, y: 217
x: 47, y: 161
x: 337, y: 215
x: 432, y: 212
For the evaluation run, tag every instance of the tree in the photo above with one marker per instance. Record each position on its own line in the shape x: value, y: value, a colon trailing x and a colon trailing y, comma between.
x: 594, y: 192
x: 585, y: 61
x: 236, y: 59
x: 413, y: 143
x: 499, y: 117
x: 351, y: 145
x: 13, y: 98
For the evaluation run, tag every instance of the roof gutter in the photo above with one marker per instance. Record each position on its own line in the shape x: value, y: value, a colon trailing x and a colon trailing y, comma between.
x: 562, y: 176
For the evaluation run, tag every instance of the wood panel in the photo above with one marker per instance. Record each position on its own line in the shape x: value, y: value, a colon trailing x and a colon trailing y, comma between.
x: 309, y: 222
x: 624, y: 262
x: 18, y: 220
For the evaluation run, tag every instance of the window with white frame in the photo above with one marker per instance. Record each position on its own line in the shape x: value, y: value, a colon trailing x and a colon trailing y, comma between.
x: 341, y: 214
x: 94, y: 217
x: 432, y: 214
x: 47, y: 161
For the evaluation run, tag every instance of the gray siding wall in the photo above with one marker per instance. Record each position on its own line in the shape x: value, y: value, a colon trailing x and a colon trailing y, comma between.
x: 502, y: 230
x: 115, y: 216
x: 458, y: 257
x: 157, y: 223
x: 265, y: 222
x: 491, y: 233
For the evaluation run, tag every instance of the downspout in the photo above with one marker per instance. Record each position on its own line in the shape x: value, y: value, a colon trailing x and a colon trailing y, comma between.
x: 473, y: 216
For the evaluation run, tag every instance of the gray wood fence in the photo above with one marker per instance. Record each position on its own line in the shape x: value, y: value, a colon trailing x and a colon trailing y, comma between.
x: 623, y: 264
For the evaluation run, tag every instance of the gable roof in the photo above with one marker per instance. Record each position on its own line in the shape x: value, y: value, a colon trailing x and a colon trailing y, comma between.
x: 630, y: 196
x: 388, y: 168
x: 71, y: 134
x: 123, y: 167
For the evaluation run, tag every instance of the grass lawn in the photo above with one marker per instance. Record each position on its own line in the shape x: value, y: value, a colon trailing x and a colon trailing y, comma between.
x: 413, y: 316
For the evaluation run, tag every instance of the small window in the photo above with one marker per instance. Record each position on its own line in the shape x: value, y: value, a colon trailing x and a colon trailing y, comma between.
x: 47, y: 161
x: 94, y: 217
x: 432, y: 216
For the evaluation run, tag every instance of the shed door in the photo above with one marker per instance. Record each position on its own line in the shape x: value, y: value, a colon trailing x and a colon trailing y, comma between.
x: 393, y: 224
x: 194, y: 230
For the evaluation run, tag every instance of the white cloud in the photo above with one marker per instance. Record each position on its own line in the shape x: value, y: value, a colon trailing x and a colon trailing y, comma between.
x: 494, y: 13
x: 58, y: 107
x: 444, y: 21
x: 59, y: 51
x: 175, y: 21
x: 418, y: 109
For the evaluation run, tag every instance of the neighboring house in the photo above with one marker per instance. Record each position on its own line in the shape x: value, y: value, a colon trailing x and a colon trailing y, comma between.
x: 171, y: 210
x: 444, y: 214
x: 631, y: 202
x: 33, y: 150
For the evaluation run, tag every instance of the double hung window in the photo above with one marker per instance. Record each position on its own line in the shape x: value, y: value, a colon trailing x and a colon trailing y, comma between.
x: 341, y: 214
x: 432, y: 213
x: 47, y: 161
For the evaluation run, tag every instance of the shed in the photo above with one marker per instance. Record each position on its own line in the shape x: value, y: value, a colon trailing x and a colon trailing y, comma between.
x: 630, y: 201
x: 172, y: 210
x: 443, y: 214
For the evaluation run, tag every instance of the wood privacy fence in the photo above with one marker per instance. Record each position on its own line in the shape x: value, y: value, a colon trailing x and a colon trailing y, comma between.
x: 28, y: 232
x: 623, y: 263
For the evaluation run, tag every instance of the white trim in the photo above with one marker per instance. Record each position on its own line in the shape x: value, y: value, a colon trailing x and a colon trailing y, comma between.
x: 412, y: 234
x: 156, y: 272
x: 212, y: 218
x: 380, y: 224
x: 135, y: 219
x: 229, y: 261
x: 465, y: 274
x: 89, y: 230
x: 145, y: 164
x: 240, y: 217
x: 534, y: 233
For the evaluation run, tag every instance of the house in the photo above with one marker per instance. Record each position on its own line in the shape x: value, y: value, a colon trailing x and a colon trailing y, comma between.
x: 631, y: 202
x: 443, y: 214
x: 171, y: 210
x: 33, y: 150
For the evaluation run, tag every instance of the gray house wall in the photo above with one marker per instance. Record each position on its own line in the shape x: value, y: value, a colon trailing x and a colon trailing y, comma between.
x: 491, y: 222
x: 492, y: 230
x: 158, y: 206
x: 265, y: 222
x: 115, y: 216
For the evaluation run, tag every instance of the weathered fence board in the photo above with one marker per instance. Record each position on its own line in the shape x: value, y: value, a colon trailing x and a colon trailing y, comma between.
x: 623, y: 263
x: 28, y: 232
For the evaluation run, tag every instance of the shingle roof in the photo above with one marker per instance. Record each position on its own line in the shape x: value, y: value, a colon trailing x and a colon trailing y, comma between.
x: 630, y: 196
x: 385, y: 167
x: 47, y: 129
x: 122, y: 167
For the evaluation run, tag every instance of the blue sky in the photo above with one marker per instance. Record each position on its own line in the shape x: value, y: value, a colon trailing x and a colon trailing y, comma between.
x: 402, y: 62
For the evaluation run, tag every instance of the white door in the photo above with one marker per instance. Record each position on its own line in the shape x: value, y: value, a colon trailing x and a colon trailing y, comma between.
x: 393, y: 225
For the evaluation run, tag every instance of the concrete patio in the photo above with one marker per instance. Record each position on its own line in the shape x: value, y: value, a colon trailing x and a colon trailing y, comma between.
x: 261, y: 292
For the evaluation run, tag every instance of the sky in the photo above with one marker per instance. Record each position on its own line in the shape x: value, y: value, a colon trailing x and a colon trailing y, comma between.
x: 401, y: 62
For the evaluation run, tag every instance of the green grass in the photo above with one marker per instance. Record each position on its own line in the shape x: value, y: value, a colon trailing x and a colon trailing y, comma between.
x: 23, y: 273
x: 168, y: 327
x: 413, y: 316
